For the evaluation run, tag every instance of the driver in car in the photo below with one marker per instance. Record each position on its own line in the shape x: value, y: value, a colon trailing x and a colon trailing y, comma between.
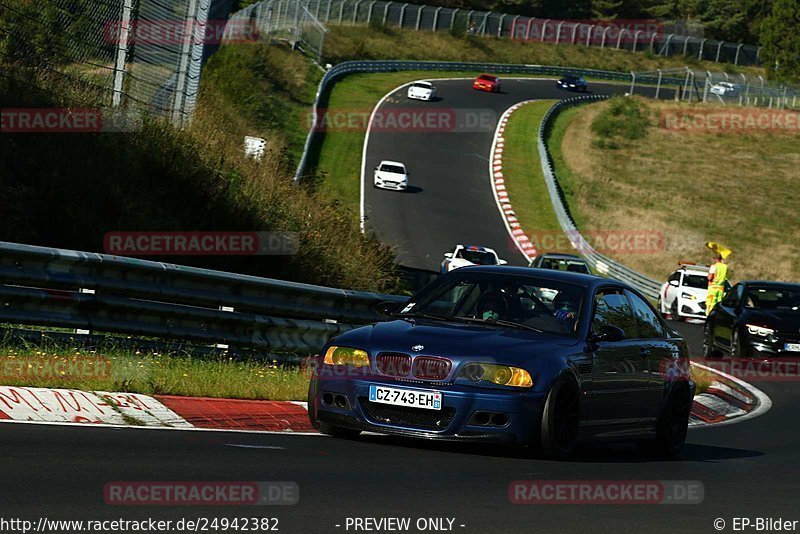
x: 565, y: 309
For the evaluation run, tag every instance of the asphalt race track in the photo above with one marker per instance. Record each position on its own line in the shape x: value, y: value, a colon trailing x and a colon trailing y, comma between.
x: 450, y: 200
x: 748, y: 469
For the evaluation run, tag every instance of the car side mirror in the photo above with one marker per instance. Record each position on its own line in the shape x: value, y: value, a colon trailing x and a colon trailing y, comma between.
x: 674, y: 283
x: 448, y: 255
x: 501, y: 262
x: 387, y: 309
x: 609, y: 333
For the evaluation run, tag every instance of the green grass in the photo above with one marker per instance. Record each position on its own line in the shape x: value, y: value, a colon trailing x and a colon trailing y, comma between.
x: 119, y: 370
x: 522, y: 171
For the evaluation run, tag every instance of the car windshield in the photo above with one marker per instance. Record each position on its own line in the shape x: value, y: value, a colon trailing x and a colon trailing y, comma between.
x: 487, y: 78
x: 421, y: 85
x: 773, y: 298
x: 509, y: 301
x: 574, y: 266
x: 478, y: 257
x: 396, y: 169
x: 697, y: 281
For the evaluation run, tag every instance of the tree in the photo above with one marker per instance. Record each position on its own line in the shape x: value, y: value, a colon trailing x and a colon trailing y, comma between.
x: 780, y: 41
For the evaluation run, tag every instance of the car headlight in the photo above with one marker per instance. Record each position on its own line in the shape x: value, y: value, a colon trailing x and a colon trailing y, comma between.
x: 346, y: 356
x: 757, y: 330
x: 502, y: 375
x: 688, y: 296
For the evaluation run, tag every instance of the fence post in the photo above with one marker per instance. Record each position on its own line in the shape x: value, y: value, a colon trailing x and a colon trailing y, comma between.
x: 633, y: 81
x: 636, y: 39
x: 453, y: 19
x: 183, y: 66
x: 738, y: 49
x: 500, y: 25
x: 528, y: 29
x: 575, y: 26
x: 658, y: 85
x: 667, y: 45
x: 685, y: 44
x: 341, y: 11
x: 719, y: 49
x: 386, y: 12
x: 402, y: 15
x: 653, y: 41
x: 702, y: 44
x: 355, y: 10
x: 603, y: 40
x: 419, y: 16
x: 485, y: 22
x: 436, y: 18
x: 558, y: 32
x: 369, y: 13
x: 544, y: 29
x: 512, y: 30
x: 589, y: 34
x: 705, y: 86
x: 122, y: 52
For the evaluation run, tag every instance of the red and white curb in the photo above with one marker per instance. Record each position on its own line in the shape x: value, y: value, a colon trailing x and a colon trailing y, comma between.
x: 518, y: 236
x: 727, y: 400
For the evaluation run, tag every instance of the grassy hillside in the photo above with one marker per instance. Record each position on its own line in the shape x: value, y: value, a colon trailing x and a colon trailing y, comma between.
x: 736, y: 187
x: 69, y: 189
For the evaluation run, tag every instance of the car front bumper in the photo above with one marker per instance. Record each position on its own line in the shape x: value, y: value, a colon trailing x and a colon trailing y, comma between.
x: 454, y: 422
x: 394, y: 186
x: 695, y: 309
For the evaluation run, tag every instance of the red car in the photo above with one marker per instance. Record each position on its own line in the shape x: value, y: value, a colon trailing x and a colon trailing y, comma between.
x: 487, y: 82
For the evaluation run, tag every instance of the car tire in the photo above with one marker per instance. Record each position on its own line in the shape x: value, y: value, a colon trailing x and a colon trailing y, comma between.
x: 672, y: 426
x: 338, y: 431
x: 736, y: 350
x: 673, y: 310
x: 558, y: 435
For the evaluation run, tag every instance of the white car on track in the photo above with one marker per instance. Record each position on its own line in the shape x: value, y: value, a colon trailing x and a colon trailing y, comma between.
x: 465, y: 255
x: 725, y: 89
x: 683, y: 295
x: 391, y: 175
x: 422, y: 91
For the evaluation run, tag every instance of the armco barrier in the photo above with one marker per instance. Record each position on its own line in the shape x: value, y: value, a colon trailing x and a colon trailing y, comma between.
x: 598, y: 261
x: 64, y: 288
x: 352, y: 67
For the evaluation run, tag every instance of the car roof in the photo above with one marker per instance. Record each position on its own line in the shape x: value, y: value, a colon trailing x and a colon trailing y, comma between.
x: 387, y: 162
x: 562, y: 256
x: 478, y: 248
x: 586, y: 280
x: 696, y: 268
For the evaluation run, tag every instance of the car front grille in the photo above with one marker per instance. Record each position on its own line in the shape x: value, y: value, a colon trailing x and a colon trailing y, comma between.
x: 408, y: 417
x: 785, y: 336
x: 393, y: 363
x: 430, y: 368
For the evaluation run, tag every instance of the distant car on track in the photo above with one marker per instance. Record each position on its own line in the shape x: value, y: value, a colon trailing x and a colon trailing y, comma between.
x: 421, y: 91
x: 725, y: 89
x: 683, y: 295
x: 466, y: 255
x: 391, y: 175
x: 755, y: 320
x: 487, y: 82
x: 570, y: 82
x: 475, y: 356
x: 561, y: 262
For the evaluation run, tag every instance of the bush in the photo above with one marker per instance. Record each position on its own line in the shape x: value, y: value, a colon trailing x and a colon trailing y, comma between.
x: 625, y: 118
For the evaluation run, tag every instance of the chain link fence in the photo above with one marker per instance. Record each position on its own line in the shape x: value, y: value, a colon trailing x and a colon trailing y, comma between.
x: 142, y: 55
x: 288, y: 20
x: 661, y: 38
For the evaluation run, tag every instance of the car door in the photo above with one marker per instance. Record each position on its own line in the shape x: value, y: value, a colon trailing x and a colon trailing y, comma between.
x: 673, y: 286
x: 620, y: 373
x: 657, y: 352
x: 723, y: 317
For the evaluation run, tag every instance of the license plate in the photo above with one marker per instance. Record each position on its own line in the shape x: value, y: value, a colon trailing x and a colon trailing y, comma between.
x: 791, y: 347
x: 412, y: 398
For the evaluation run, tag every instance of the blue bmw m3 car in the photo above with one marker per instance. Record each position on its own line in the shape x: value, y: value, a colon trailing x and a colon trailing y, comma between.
x: 530, y: 357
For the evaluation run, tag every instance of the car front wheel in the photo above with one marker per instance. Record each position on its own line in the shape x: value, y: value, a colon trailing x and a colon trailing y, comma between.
x: 560, y: 420
x: 672, y: 426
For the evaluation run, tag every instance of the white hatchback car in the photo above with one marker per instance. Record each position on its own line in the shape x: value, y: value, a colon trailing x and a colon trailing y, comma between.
x: 683, y: 295
x: 725, y: 89
x: 391, y: 175
x: 466, y: 255
x: 422, y: 91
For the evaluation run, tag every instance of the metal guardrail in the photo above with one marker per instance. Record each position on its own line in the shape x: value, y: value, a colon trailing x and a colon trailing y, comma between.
x: 599, y: 262
x: 98, y: 292
x: 351, y: 67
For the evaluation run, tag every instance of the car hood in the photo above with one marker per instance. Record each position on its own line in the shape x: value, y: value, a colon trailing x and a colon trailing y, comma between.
x: 456, y: 341
x: 785, y: 320
x: 457, y: 263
